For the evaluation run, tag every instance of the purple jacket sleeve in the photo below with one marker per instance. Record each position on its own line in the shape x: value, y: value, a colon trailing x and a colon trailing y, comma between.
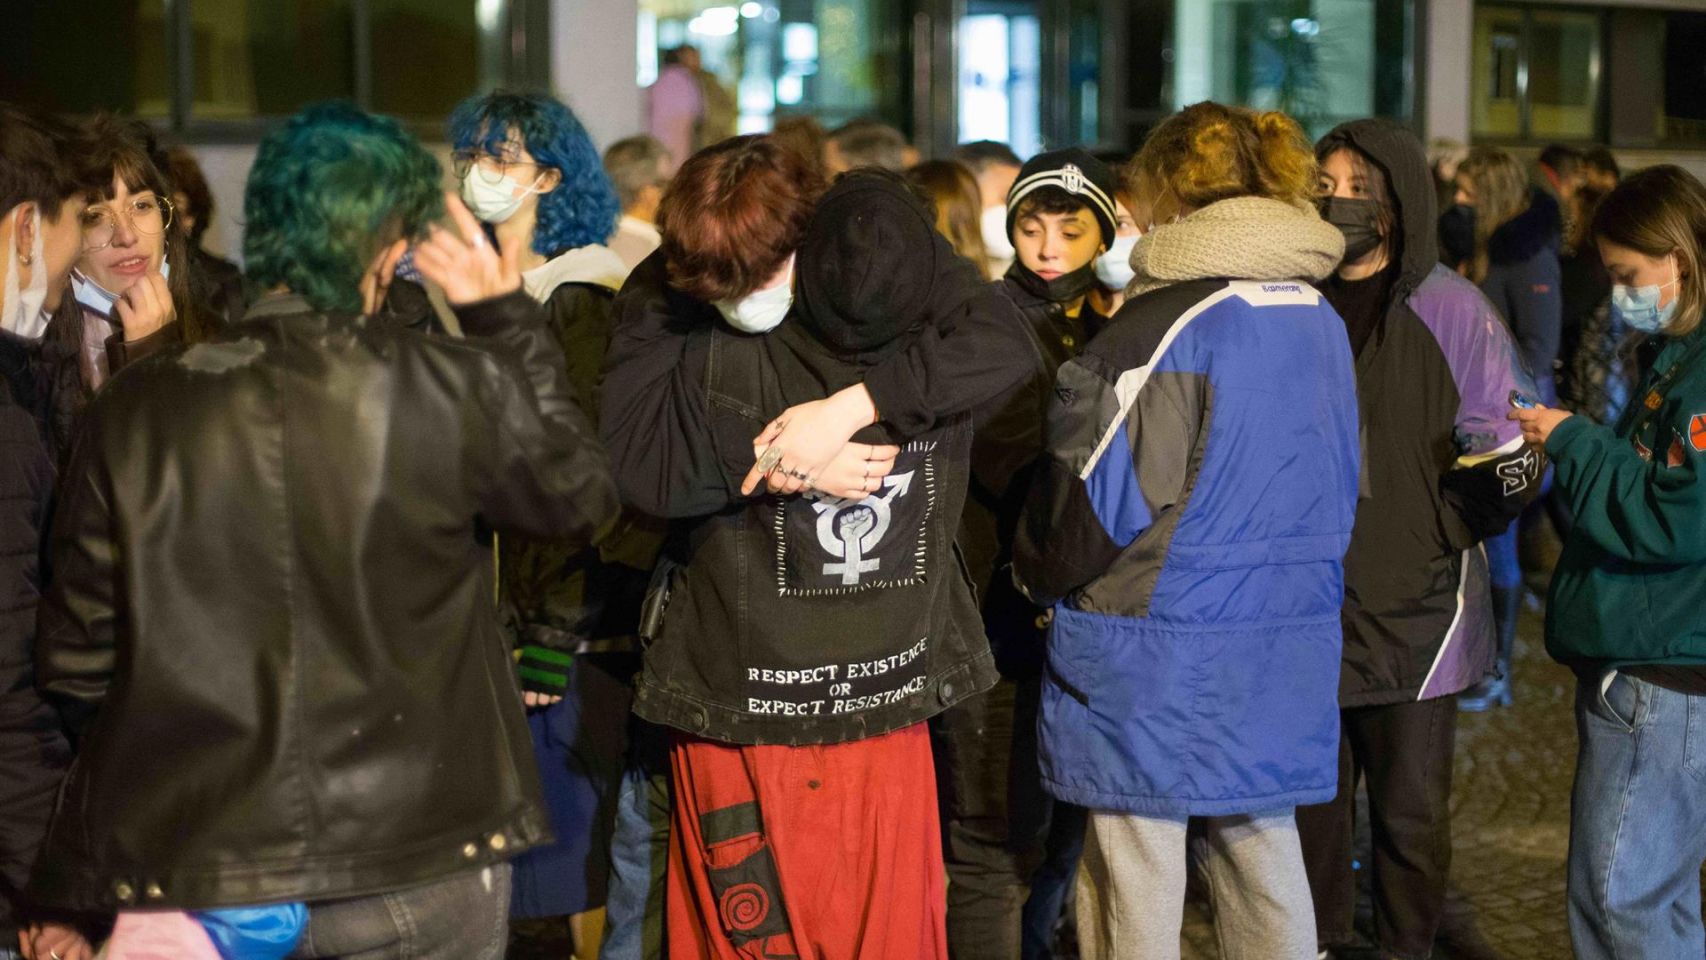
x: 1495, y: 474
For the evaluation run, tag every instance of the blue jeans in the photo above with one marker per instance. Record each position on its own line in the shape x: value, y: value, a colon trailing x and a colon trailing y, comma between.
x: 1053, y: 881
x: 1637, y: 821
x: 639, y: 850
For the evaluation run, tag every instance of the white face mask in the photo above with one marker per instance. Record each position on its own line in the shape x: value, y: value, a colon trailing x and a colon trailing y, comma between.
x: 20, y: 309
x: 993, y: 226
x: 1114, y: 267
x: 763, y: 310
x: 98, y: 298
x: 494, y: 202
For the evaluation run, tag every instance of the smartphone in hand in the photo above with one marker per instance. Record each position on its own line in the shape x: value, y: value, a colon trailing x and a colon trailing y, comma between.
x: 1522, y: 402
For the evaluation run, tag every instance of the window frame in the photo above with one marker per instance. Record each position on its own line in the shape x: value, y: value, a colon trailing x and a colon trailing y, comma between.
x: 507, y: 58
x: 1597, y: 74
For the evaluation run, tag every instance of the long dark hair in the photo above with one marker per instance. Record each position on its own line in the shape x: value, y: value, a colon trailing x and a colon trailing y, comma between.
x: 127, y: 150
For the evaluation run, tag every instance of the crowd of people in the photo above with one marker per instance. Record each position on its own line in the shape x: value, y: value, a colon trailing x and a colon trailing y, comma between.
x: 788, y: 546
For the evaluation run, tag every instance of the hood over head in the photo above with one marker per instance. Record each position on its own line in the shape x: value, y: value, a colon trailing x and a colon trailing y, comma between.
x: 873, y: 268
x: 1398, y: 153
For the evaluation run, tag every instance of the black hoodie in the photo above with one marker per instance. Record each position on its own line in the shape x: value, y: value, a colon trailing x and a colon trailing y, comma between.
x: 1525, y: 282
x: 1444, y: 468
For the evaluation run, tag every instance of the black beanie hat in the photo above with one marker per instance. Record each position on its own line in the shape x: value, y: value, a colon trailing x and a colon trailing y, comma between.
x: 867, y: 271
x: 1075, y: 171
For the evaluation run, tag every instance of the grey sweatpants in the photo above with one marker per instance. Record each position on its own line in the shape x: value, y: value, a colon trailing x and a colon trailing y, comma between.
x: 1131, y: 887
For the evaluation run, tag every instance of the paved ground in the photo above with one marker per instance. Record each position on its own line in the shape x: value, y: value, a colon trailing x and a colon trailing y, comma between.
x: 1511, y: 823
x: 1511, y: 803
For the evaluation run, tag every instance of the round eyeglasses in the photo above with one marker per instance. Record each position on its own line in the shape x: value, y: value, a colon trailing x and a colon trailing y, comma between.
x: 492, y: 169
x: 147, y: 215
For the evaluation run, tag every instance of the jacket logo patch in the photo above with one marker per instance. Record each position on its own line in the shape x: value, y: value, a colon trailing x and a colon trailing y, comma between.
x: 1697, y: 432
x: 1641, y: 450
x: 827, y: 545
x: 853, y: 529
x: 1519, y: 473
x: 1674, y: 456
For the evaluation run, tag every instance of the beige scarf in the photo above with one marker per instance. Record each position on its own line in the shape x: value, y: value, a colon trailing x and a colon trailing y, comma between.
x: 1245, y: 238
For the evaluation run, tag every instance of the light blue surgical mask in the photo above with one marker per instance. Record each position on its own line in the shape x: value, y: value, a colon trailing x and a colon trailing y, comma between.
x: 98, y: 298
x: 1638, y: 307
x: 763, y: 310
x: 1114, y: 267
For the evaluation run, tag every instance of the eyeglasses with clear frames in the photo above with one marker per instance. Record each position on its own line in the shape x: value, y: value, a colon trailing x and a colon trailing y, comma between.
x: 147, y: 214
x: 492, y: 168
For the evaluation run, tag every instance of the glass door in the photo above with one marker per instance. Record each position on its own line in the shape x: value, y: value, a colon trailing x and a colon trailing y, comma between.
x: 1000, y: 66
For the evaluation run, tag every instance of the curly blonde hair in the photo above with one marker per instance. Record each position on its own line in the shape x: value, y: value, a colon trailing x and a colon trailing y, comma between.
x: 1210, y: 152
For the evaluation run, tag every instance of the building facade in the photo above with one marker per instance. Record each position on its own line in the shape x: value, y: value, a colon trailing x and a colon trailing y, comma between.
x: 1036, y: 73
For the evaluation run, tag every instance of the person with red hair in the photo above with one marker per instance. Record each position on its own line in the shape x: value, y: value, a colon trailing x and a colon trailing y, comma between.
x: 803, y: 635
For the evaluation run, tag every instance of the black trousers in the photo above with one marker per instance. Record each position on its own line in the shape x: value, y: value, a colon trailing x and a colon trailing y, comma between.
x: 995, y: 816
x: 1403, y: 752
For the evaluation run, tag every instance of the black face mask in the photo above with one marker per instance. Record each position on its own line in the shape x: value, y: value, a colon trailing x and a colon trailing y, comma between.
x: 1358, y: 220
x: 1062, y: 289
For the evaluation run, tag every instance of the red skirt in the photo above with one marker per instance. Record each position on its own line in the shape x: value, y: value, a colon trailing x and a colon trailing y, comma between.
x: 819, y: 852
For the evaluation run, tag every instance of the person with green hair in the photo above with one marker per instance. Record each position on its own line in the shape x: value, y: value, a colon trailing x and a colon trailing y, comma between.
x: 299, y: 694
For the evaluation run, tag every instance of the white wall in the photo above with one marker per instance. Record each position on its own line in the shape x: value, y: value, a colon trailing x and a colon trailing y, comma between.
x: 1450, y: 34
x: 226, y: 167
x: 594, y: 60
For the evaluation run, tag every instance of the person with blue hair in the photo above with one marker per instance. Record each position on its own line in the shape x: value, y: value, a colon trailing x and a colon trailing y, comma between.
x: 299, y: 695
x: 528, y: 169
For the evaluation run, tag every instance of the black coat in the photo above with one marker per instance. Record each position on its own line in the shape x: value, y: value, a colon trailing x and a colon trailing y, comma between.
x: 272, y: 612
x: 1443, y: 467
x: 1525, y: 283
x: 574, y: 597
x: 1005, y: 451
x: 761, y: 640
x: 217, y: 286
x: 33, y: 750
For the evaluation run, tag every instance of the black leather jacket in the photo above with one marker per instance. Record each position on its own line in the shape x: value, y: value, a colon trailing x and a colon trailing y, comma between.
x: 272, y: 615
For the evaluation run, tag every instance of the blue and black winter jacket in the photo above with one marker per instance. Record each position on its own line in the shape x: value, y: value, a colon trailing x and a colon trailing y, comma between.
x: 1189, y: 526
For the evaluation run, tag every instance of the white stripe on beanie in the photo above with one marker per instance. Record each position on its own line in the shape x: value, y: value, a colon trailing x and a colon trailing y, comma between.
x: 1068, y: 178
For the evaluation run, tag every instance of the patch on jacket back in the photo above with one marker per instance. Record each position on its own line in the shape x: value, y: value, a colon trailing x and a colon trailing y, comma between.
x: 826, y: 545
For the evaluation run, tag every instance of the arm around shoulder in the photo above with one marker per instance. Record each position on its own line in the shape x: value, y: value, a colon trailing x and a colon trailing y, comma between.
x: 654, y: 416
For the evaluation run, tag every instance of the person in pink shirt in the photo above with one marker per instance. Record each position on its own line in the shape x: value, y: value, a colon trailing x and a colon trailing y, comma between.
x: 674, y: 104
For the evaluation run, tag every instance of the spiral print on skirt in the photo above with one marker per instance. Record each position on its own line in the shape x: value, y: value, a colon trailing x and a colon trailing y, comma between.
x: 749, y: 892
x: 744, y: 907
